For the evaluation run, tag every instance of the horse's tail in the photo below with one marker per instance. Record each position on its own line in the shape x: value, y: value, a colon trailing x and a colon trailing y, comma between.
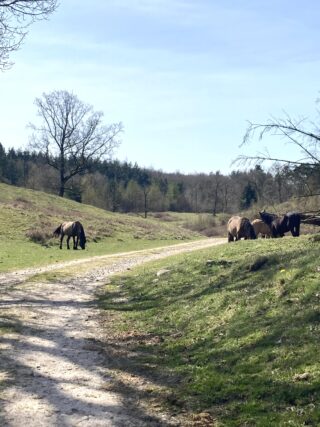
x: 252, y: 231
x: 57, y: 231
x: 246, y: 229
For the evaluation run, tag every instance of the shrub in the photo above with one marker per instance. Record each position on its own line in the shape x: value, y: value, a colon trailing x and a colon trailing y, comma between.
x: 162, y: 216
x: 38, y: 236
x: 208, y: 225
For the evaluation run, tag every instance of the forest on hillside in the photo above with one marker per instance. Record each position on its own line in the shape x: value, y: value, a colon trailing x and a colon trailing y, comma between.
x: 70, y: 146
x: 125, y: 187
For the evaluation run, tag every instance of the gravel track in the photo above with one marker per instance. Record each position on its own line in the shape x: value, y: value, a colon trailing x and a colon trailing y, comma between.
x: 55, y: 373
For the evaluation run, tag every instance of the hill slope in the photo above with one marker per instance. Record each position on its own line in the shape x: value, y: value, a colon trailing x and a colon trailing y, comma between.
x: 28, y: 218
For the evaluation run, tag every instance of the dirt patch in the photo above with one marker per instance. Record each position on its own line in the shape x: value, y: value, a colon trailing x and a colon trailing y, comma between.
x: 56, y: 362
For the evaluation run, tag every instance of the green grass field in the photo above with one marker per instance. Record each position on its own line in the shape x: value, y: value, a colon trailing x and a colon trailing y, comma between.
x: 227, y: 337
x: 28, y: 219
x: 232, y: 332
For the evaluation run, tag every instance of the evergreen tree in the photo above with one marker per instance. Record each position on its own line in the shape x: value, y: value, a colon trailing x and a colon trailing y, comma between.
x: 249, y: 196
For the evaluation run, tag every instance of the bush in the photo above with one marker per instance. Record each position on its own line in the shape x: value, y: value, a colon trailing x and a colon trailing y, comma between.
x: 208, y: 225
x: 163, y: 216
x: 38, y: 236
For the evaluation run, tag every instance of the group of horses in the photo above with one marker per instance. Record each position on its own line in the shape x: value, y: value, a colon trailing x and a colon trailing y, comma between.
x: 268, y: 225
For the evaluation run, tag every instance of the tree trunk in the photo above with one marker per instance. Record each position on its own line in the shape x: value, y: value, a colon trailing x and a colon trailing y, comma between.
x: 61, y: 190
x: 62, y: 184
x: 62, y: 178
x: 145, y: 204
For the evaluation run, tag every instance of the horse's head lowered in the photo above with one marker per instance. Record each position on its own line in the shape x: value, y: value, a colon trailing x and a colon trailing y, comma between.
x: 82, y: 240
x: 281, y: 224
x: 267, y: 217
x: 78, y: 229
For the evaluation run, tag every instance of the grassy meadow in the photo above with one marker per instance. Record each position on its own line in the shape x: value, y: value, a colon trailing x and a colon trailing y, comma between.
x: 221, y: 337
x: 204, y: 223
x: 225, y: 337
x: 28, y: 219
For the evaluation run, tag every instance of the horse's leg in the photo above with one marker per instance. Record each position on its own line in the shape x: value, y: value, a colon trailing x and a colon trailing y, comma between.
x: 292, y: 227
x: 75, y: 242
x: 295, y: 231
x: 68, y: 238
x: 61, y: 239
x: 230, y: 237
x: 274, y: 231
x: 278, y: 233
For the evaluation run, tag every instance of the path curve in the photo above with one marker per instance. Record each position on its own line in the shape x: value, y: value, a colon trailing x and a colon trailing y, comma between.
x: 55, y: 372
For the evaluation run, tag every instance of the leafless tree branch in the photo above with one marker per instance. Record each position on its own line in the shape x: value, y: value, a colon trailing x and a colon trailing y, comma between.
x: 16, y: 16
x: 71, y: 134
x: 294, y: 133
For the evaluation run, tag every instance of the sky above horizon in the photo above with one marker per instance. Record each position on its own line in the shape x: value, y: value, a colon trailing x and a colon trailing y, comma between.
x: 183, y: 76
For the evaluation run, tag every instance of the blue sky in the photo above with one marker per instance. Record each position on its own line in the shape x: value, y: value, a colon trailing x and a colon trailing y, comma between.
x: 183, y: 76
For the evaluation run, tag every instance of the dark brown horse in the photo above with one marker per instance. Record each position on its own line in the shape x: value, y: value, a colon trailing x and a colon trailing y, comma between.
x: 74, y: 230
x: 280, y: 225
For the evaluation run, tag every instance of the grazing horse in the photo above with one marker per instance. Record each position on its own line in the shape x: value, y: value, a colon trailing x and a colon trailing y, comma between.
x: 280, y: 225
x: 261, y: 228
x: 239, y: 227
x: 74, y: 230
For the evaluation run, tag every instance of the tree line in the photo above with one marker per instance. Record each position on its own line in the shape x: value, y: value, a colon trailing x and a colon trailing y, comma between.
x: 70, y: 152
x: 126, y: 187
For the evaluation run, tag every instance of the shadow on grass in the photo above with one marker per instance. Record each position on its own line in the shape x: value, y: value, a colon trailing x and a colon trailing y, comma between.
x: 245, y: 367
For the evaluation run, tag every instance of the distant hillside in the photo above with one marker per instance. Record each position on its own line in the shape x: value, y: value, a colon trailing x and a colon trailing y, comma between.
x: 28, y: 218
x: 125, y: 187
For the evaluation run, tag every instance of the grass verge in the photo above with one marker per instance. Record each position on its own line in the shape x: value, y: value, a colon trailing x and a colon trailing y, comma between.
x: 227, y: 336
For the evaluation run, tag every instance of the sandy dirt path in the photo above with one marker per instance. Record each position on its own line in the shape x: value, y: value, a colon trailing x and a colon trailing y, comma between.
x: 54, y: 372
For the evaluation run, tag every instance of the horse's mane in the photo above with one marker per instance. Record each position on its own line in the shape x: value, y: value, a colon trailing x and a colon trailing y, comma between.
x: 267, y: 217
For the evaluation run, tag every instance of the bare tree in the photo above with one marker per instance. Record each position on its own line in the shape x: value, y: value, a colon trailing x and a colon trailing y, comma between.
x: 144, y: 181
x: 302, y: 134
x: 215, y: 184
x: 71, y: 134
x: 15, y: 18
